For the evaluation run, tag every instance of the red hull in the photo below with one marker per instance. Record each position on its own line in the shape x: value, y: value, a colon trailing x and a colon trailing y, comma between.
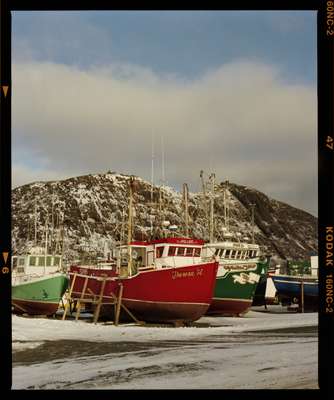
x: 229, y: 307
x: 164, y: 295
x: 34, y: 307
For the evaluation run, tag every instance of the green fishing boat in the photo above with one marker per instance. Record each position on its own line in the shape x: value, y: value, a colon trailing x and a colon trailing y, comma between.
x: 238, y: 275
x: 38, y: 284
x: 235, y: 289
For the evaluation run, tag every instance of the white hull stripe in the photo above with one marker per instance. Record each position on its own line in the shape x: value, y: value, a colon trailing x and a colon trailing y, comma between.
x: 295, y: 282
x: 35, y: 301
x: 229, y: 299
x: 166, y: 302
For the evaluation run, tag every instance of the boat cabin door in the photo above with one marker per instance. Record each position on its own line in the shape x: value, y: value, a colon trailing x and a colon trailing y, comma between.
x: 150, y: 257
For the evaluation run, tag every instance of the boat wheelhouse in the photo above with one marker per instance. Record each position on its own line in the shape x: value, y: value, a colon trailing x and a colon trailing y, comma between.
x: 229, y: 251
x: 34, y: 264
x: 159, y: 254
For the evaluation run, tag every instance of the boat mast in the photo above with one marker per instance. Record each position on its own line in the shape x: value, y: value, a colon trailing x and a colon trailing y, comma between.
x: 211, y: 234
x: 204, y: 196
x: 46, y: 241
x: 152, y: 183
x: 35, y: 238
x: 226, y: 208
x: 253, y: 207
x: 130, y: 223
x: 52, y: 222
x: 186, y: 214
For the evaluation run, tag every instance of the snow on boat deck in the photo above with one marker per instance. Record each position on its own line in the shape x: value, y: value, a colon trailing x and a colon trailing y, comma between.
x: 259, y: 350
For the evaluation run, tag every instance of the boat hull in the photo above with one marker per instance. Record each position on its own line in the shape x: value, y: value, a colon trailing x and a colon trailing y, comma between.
x: 289, y: 289
x: 165, y: 295
x: 40, y: 296
x: 235, y: 288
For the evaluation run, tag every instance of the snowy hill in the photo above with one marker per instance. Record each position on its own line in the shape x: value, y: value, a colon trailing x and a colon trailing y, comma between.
x: 89, y: 213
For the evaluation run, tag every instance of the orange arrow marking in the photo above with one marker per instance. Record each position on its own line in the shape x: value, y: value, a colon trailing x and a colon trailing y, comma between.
x: 5, y: 255
x: 5, y: 90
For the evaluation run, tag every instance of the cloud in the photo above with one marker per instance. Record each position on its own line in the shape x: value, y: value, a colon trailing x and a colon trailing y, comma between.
x: 241, y: 120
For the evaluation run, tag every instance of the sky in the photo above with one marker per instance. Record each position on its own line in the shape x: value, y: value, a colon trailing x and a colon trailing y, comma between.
x: 229, y: 92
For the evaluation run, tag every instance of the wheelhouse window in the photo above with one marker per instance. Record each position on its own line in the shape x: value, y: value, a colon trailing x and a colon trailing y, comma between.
x: 233, y: 253
x: 41, y: 261
x: 217, y: 252
x: 180, y: 251
x: 189, y: 251
x: 32, y: 261
x: 56, y: 261
x: 21, y: 261
x: 197, y: 252
x: 160, y: 251
x: 172, y: 251
x: 228, y: 253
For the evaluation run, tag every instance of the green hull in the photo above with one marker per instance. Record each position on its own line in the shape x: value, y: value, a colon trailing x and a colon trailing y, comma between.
x: 235, y: 288
x: 41, y: 296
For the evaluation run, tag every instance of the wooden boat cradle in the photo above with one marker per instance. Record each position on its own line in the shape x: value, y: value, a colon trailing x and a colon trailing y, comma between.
x: 88, y: 297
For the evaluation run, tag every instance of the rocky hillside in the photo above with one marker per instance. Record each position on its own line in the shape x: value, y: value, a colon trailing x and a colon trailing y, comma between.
x: 89, y: 213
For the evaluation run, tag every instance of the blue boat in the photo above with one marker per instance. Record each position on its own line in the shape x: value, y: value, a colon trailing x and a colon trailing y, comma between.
x: 289, y: 289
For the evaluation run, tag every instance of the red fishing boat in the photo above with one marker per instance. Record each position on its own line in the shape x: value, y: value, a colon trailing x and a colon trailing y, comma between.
x: 163, y: 280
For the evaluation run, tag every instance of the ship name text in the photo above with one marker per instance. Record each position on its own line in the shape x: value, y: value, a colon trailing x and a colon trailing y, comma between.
x: 187, y: 274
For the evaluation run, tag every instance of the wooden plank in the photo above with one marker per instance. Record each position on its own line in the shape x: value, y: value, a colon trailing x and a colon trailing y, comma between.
x: 69, y: 297
x: 99, y: 303
x: 302, y: 295
x: 19, y: 307
x: 131, y: 315
x: 81, y: 298
x: 118, y: 305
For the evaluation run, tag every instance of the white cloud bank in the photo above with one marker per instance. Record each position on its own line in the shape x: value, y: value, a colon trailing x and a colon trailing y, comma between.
x: 240, y: 120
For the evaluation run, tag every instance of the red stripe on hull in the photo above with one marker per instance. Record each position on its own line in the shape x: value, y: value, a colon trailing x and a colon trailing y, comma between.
x: 189, y: 291
x: 34, y: 307
x: 228, y: 307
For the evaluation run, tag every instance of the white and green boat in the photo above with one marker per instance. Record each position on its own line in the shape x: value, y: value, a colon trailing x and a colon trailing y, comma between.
x: 239, y: 271
x: 38, y: 283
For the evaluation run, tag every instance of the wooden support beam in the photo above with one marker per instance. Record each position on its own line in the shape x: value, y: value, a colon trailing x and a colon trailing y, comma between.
x: 302, y: 295
x: 81, y: 298
x: 99, y: 301
x: 69, y: 297
x: 118, y: 305
x: 131, y: 315
x: 19, y: 307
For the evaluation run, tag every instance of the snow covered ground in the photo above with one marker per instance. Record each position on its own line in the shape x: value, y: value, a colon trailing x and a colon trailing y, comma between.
x: 260, y: 350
